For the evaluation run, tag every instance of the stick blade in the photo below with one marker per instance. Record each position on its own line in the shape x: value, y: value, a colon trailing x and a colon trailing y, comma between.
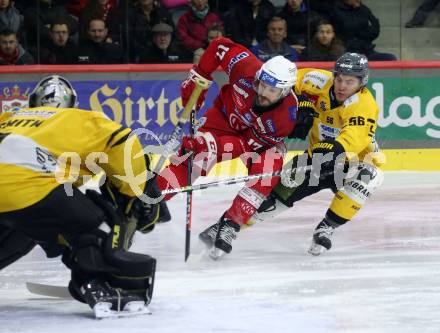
x: 48, y: 290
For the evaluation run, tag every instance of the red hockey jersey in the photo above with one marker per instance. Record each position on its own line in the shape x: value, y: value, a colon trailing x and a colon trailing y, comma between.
x: 260, y: 130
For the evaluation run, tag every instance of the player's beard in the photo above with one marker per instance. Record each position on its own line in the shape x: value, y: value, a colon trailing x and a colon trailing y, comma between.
x: 262, y: 101
x: 258, y: 108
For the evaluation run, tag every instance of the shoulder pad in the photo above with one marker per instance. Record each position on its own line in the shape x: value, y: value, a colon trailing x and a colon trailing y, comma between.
x: 315, y: 81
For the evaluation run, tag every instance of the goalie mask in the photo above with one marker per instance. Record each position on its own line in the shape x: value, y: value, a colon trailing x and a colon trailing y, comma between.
x: 53, y: 91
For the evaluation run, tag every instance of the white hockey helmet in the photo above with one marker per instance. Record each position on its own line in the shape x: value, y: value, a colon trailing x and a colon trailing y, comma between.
x: 278, y: 72
x: 53, y: 90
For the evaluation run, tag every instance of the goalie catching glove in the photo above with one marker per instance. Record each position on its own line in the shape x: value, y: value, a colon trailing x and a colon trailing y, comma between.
x: 144, y: 214
x: 304, y: 118
x: 189, y: 84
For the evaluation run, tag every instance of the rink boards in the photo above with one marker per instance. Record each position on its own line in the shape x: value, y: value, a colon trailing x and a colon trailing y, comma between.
x: 147, y: 97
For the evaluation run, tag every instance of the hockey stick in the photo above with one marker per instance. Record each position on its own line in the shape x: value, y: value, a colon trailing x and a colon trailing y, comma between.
x: 174, y: 140
x: 48, y: 290
x: 237, y: 180
x: 189, y: 194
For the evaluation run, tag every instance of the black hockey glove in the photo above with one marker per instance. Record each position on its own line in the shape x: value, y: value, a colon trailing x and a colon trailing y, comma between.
x: 329, y: 154
x: 145, y: 214
x: 304, y: 118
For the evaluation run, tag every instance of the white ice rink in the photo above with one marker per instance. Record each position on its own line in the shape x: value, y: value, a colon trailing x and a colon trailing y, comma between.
x: 383, y: 274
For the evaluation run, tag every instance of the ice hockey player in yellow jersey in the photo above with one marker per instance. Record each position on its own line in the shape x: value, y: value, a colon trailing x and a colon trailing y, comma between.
x: 46, y: 152
x: 342, y: 153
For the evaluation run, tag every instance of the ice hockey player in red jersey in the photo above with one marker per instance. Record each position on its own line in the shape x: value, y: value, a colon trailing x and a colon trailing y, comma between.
x: 249, y: 119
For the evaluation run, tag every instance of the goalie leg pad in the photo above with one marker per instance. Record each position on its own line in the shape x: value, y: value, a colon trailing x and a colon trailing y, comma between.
x: 95, y: 257
x: 13, y: 245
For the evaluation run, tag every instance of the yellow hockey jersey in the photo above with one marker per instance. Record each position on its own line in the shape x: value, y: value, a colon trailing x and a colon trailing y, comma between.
x: 353, y: 124
x: 41, y: 148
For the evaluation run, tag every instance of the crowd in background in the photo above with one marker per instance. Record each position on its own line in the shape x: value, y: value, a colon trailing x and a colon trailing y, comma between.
x: 178, y: 31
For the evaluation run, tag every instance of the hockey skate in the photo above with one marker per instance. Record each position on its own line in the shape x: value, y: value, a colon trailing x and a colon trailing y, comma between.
x: 108, y: 302
x: 208, y: 235
x: 321, y: 238
x: 227, y: 232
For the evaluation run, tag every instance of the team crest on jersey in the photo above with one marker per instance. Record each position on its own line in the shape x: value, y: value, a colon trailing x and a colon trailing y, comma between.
x: 323, y: 106
x: 13, y: 99
x: 236, y: 123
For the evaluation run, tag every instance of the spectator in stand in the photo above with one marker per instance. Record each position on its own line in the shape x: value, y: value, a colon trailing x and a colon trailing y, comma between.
x: 247, y: 21
x: 422, y: 13
x: 39, y: 17
x: 214, y: 31
x: 11, y: 52
x: 275, y: 44
x: 192, y: 26
x: 300, y: 21
x: 141, y: 19
x: 76, y: 7
x: 221, y: 7
x: 61, y: 49
x: 10, y: 17
x: 97, y: 48
x: 358, y: 27
x: 104, y: 10
x: 323, y: 7
x: 325, y: 46
x: 20, y: 5
x: 164, y: 49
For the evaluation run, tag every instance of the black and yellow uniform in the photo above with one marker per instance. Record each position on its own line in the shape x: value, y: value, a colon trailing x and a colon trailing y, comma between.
x: 352, y: 125
x: 40, y: 198
x: 34, y: 141
x: 45, y: 154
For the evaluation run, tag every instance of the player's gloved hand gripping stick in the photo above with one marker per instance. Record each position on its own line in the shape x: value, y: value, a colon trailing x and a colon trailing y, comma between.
x: 195, y: 87
x: 198, y: 85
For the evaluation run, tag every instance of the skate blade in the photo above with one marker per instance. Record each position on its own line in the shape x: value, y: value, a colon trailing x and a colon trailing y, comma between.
x: 316, y: 249
x: 216, y: 253
x: 103, y: 310
x: 195, y: 259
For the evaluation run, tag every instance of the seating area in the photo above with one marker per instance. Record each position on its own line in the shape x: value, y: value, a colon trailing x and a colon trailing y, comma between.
x: 422, y: 43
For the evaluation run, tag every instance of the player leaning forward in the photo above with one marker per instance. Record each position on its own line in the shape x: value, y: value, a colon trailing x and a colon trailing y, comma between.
x: 41, y: 204
x: 249, y: 118
x: 342, y: 148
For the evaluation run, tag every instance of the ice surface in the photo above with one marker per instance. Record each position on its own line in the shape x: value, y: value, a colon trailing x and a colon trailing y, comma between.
x: 383, y: 274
